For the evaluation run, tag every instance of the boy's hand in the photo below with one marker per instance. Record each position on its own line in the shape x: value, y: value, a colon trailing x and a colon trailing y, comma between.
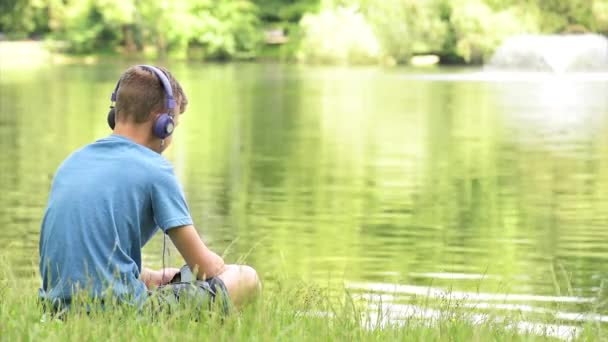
x: 166, y: 274
x: 157, y: 278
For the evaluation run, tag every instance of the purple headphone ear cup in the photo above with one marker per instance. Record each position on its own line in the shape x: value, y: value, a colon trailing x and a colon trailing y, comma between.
x: 112, y: 117
x: 164, y: 125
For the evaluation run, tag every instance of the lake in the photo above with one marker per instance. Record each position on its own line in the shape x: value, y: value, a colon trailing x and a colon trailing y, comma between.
x: 387, y: 180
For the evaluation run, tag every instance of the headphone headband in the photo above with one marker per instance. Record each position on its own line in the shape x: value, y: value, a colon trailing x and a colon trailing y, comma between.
x: 169, y: 102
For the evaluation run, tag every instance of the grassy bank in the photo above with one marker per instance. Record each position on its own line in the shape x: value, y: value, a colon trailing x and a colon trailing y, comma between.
x: 288, y: 311
x: 24, y: 54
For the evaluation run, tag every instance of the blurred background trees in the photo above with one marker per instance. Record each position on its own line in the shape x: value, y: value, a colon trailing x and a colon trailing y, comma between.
x: 352, y: 31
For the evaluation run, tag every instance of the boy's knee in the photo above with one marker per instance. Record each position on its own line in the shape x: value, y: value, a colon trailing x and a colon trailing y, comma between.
x: 254, y: 280
x: 243, y: 279
x: 250, y: 278
x: 242, y: 283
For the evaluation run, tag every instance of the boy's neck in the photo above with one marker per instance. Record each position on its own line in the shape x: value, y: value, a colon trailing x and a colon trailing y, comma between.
x: 140, y: 134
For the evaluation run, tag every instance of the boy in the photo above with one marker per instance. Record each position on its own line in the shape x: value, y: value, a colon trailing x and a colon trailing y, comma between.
x: 110, y: 197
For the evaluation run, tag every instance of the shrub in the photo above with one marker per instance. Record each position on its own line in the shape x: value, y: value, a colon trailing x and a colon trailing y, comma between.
x: 225, y: 29
x: 78, y: 23
x: 407, y: 27
x: 479, y: 31
x: 600, y: 14
x: 339, y: 35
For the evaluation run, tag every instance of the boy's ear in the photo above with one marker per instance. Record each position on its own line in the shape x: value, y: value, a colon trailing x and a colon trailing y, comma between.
x: 153, y: 116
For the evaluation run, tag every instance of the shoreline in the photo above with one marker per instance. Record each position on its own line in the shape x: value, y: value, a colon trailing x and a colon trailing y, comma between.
x: 24, y: 53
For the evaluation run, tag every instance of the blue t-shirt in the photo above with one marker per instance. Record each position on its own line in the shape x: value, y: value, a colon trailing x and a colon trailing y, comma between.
x: 107, y: 200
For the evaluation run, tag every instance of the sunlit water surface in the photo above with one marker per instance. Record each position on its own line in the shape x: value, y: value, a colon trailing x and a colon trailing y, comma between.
x: 490, y: 188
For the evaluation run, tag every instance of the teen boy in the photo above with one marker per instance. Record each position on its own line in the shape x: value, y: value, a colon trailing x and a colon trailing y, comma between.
x: 110, y: 197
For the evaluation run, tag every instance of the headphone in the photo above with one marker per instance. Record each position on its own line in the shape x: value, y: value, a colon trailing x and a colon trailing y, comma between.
x: 164, y: 124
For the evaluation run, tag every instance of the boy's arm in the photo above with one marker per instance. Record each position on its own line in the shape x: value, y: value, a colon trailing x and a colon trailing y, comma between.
x: 202, y: 261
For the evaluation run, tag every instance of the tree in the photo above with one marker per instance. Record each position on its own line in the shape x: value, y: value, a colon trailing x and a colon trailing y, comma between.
x: 19, y: 18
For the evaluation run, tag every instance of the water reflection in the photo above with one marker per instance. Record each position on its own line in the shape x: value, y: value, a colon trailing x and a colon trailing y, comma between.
x: 388, y: 304
x: 450, y: 295
x: 399, y: 314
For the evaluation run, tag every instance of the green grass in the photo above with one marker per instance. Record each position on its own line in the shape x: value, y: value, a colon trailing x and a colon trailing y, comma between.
x: 289, y: 310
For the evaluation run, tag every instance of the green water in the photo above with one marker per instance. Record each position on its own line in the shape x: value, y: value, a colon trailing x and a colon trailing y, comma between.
x: 351, y: 175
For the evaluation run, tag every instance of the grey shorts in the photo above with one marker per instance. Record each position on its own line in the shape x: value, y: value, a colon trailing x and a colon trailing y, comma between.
x: 197, y: 296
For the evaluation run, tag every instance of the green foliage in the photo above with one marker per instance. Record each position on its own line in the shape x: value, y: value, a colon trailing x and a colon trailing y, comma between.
x: 407, y: 27
x: 467, y: 30
x: 164, y: 25
x: 219, y: 29
x: 225, y: 29
x: 20, y: 18
x: 285, y: 10
x: 558, y: 16
x: 340, y: 35
x: 81, y: 24
x: 471, y: 30
x: 479, y: 31
x: 600, y: 15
